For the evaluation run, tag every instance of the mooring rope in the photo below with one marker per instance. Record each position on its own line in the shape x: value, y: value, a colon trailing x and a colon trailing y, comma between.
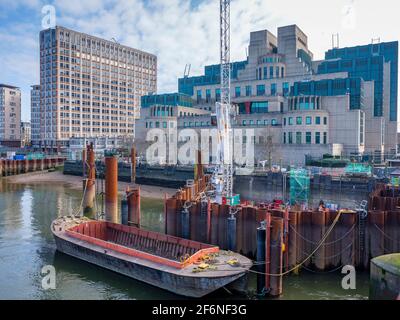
x: 387, y: 236
x: 326, y: 235
x: 327, y: 243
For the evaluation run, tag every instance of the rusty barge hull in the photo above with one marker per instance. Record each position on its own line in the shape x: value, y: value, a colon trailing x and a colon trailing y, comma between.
x: 181, y: 281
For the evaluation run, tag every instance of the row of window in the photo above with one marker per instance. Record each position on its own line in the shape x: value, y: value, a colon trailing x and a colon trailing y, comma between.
x: 250, y: 122
x: 270, y: 72
x: 297, y: 138
x: 158, y: 124
x: 248, y: 91
x: 308, y: 120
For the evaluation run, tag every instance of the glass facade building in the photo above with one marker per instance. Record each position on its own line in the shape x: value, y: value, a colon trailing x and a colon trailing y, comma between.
x: 366, y: 62
x: 167, y: 99
x: 211, y: 76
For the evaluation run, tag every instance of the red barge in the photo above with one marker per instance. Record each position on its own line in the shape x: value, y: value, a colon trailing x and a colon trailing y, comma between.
x: 184, y: 267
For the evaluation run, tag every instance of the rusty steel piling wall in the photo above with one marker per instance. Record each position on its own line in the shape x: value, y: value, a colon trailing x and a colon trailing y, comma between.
x: 16, y: 167
x: 291, y: 236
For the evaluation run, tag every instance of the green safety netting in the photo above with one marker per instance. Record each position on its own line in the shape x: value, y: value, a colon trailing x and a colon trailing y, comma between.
x: 35, y: 156
x: 299, y: 186
x: 358, y: 168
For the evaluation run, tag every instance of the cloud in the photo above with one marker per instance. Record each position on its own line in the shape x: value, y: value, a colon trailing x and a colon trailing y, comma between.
x: 177, y: 31
x: 182, y: 31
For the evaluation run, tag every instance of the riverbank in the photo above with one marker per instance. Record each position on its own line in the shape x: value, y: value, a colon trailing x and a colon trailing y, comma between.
x: 75, y: 182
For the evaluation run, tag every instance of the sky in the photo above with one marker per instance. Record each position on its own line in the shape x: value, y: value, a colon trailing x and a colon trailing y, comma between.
x: 184, y: 32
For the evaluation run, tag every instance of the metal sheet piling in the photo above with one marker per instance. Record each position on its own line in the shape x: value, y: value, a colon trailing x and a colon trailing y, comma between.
x: 268, y: 250
x: 261, y: 259
x: 111, y: 189
x: 276, y: 256
x: 318, y: 231
x: 124, y: 212
x: 348, y: 239
x: 170, y: 219
x: 376, y: 231
x: 293, y: 239
x: 90, y: 184
x: 231, y: 233
x: 133, y: 164
x: 215, y: 208
x: 134, y: 202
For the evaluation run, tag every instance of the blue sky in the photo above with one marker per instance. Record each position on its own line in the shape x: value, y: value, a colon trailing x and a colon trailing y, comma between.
x: 183, y: 31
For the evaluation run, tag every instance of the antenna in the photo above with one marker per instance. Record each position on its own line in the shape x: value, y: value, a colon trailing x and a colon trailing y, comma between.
x: 335, y: 40
x: 186, y: 72
x: 113, y: 39
x: 376, y: 40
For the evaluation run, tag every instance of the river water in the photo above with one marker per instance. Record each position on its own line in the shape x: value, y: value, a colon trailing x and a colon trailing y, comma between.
x: 27, y: 245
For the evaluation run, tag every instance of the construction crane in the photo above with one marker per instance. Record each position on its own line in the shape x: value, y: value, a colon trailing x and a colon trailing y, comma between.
x: 223, y: 173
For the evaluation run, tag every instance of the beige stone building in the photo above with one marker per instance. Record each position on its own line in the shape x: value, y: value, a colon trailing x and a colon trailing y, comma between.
x: 10, y: 116
x: 90, y: 87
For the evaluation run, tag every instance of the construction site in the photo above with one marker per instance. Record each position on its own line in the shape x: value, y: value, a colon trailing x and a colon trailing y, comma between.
x: 212, y: 235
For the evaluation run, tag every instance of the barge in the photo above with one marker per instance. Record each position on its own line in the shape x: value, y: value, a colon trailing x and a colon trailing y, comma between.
x: 181, y: 266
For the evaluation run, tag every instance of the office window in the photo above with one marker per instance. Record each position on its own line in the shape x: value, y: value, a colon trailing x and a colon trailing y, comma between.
x: 308, y: 137
x: 274, y: 122
x: 290, y: 121
x: 285, y: 88
x: 208, y: 95
x: 265, y: 122
x: 325, y: 120
x: 290, y: 137
x: 317, y: 138
x: 308, y: 120
x: 317, y: 120
x: 277, y: 72
x: 164, y: 125
x: 251, y: 122
x: 265, y: 72
x: 325, y: 138
x: 244, y: 123
x: 237, y: 92
x: 299, y: 120
x: 218, y: 94
x: 259, y: 107
x: 157, y: 124
x: 271, y: 72
x: 284, y: 121
x: 298, y: 137
x: 248, y: 91
x: 284, y: 137
x: 260, y: 89
x: 273, y: 89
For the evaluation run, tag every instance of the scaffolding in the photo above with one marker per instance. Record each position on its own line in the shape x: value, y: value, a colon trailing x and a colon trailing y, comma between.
x: 299, y: 187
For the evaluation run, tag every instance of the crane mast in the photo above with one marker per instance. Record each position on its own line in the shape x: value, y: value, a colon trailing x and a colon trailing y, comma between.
x: 223, y: 176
